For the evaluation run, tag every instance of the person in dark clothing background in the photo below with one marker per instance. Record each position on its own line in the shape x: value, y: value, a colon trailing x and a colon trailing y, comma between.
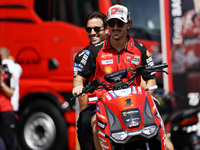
x: 7, y: 116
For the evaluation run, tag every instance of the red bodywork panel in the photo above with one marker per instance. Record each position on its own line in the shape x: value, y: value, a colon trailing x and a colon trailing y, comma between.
x: 122, y: 106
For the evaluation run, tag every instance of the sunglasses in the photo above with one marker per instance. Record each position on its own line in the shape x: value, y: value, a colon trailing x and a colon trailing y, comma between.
x: 96, y: 29
x: 112, y: 23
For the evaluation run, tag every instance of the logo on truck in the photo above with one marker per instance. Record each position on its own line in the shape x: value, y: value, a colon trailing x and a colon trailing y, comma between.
x: 28, y: 56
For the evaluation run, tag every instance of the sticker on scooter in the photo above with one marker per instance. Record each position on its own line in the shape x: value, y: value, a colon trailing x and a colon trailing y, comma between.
x: 131, y: 117
x: 98, y: 109
x: 134, y: 90
x: 128, y: 102
x: 101, y: 124
x: 113, y: 94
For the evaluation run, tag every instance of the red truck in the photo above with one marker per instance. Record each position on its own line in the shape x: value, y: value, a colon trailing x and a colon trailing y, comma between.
x: 43, y: 37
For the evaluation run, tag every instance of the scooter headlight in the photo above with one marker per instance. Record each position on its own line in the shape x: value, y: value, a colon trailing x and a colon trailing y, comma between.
x: 119, y: 135
x: 149, y: 130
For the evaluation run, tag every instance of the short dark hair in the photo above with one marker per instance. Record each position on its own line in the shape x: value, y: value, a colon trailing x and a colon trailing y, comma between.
x: 97, y: 14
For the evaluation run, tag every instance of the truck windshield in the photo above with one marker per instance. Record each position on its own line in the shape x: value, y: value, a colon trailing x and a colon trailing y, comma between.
x: 145, y: 15
x: 72, y: 11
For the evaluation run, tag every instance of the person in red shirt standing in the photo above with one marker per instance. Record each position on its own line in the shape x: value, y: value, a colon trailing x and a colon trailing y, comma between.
x: 7, y: 116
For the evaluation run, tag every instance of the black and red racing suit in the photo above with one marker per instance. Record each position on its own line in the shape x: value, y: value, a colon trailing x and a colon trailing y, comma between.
x: 103, y: 59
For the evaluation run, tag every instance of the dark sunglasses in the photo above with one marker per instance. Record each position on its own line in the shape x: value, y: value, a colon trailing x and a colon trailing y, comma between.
x: 96, y: 29
x: 112, y: 23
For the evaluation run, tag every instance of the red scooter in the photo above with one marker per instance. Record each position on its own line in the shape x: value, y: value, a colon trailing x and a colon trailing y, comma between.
x: 127, y: 117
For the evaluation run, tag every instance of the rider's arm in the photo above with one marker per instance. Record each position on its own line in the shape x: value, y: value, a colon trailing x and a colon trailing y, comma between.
x: 147, y: 79
x: 8, y: 91
x: 78, y: 85
x: 77, y: 88
x: 84, y: 73
x: 149, y: 83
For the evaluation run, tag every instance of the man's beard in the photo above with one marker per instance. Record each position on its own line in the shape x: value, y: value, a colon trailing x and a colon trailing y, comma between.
x: 118, y: 37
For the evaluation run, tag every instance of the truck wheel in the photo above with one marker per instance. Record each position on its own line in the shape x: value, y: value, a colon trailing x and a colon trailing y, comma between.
x: 41, y: 127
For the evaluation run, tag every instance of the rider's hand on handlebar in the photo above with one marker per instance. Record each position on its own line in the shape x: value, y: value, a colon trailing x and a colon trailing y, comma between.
x: 77, y: 90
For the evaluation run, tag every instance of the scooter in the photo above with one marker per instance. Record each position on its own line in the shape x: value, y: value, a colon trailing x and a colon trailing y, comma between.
x: 126, y: 115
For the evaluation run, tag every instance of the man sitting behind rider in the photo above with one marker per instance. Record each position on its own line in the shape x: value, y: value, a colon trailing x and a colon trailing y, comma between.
x: 96, y: 31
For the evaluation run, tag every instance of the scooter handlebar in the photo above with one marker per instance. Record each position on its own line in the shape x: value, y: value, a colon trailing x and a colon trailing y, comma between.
x: 88, y: 88
x: 160, y: 66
